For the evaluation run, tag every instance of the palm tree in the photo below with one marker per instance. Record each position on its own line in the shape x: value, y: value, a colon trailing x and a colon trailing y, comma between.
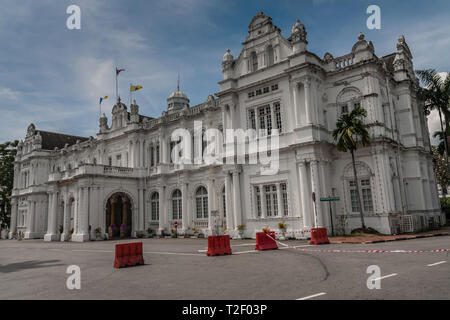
x: 436, y: 95
x: 351, y: 130
x: 439, y: 135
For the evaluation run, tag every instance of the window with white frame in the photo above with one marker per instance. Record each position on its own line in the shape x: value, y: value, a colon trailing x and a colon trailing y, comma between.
x: 155, y: 206
x: 265, y: 119
x: 251, y: 119
x: 254, y: 61
x: 366, y: 194
x: 258, y: 201
x: 284, y: 194
x: 176, y: 205
x: 366, y: 191
x: 152, y: 156
x: 270, y: 193
x: 277, y: 112
x: 157, y: 154
x: 201, y: 200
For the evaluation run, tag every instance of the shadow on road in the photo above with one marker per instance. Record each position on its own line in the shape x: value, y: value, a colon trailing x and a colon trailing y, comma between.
x: 14, y: 267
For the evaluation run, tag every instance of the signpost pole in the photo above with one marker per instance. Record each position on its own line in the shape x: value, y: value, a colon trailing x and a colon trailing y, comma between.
x: 331, y: 218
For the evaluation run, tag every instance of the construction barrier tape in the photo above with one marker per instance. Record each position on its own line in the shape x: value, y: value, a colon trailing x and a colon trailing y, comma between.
x: 361, y: 251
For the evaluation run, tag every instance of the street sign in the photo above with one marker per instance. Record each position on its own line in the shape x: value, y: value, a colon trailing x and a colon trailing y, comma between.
x: 332, y: 199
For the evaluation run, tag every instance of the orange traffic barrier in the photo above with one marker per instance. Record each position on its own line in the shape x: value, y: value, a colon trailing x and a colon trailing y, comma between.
x: 218, y: 245
x: 265, y: 241
x: 319, y: 236
x: 128, y: 254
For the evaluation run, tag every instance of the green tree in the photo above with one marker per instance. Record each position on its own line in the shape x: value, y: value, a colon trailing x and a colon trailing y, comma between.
x: 351, y: 131
x: 8, y: 152
x: 439, y: 135
x: 436, y: 95
x: 440, y: 169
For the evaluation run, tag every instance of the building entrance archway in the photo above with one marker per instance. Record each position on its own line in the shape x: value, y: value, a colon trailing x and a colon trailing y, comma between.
x: 118, y: 216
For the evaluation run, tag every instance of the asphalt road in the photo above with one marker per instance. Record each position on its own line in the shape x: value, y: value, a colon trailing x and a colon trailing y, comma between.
x: 180, y: 269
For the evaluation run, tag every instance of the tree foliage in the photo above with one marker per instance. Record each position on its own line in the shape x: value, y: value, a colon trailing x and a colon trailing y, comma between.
x: 351, y: 130
x: 441, y: 169
x: 8, y: 152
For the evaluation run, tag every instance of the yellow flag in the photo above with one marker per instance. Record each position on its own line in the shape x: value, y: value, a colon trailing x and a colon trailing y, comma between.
x: 135, y: 88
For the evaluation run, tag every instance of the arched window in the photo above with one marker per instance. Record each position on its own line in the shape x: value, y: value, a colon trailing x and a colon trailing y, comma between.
x: 176, y: 205
x: 201, y: 200
x: 365, y: 188
x: 348, y: 99
x: 269, y: 56
x: 254, y: 61
x: 155, y: 206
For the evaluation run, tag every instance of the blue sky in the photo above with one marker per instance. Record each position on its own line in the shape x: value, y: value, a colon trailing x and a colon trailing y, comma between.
x: 53, y: 76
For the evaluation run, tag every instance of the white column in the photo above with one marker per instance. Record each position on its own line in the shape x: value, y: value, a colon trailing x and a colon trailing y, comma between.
x: 48, y: 234
x: 142, y: 153
x: 224, y: 119
x: 304, y: 195
x: 315, y: 179
x: 130, y: 154
x: 82, y: 217
x: 13, y: 223
x: 263, y: 202
x: 78, y: 199
x: 142, y: 211
x: 31, y: 214
x: 162, y: 208
x: 85, y: 214
x: 280, y: 200
x: 254, y: 202
x: 228, y: 202
x: 52, y: 217
x: 184, y: 205
x: 231, y: 116
x: 307, y: 86
x: 163, y: 149
x: 66, y: 232
x: 210, y: 202
x: 237, y: 199
x: 94, y: 217
x: 297, y: 120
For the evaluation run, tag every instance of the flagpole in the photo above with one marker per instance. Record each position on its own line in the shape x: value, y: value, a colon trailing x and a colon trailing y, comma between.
x: 100, y: 104
x: 117, y: 86
x: 130, y: 93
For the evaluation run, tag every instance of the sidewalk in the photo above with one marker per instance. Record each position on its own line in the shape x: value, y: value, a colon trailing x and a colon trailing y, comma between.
x: 378, y: 239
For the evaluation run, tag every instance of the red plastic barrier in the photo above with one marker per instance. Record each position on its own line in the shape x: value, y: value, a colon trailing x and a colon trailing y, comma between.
x: 319, y: 236
x: 264, y: 242
x: 128, y: 254
x: 218, y: 245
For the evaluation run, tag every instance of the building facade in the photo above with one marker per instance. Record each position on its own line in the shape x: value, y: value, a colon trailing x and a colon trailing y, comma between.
x: 66, y: 187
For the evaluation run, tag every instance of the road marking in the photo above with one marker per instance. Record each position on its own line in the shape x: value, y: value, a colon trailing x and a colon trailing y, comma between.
x: 241, y: 252
x: 313, y: 296
x: 435, y: 264
x: 243, y: 245
x: 283, y: 248
x: 92, y: 251
x: 384, y: 277
x: 175, y: 253
x: 295, y: 247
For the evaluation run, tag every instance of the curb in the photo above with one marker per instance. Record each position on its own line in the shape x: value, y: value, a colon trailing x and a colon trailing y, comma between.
x: 392, y: 240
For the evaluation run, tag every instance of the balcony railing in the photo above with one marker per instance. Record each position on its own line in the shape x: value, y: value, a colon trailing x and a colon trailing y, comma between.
x: 91, y: 169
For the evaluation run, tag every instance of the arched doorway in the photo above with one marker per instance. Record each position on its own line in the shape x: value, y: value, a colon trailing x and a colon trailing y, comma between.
x: 118, y: 216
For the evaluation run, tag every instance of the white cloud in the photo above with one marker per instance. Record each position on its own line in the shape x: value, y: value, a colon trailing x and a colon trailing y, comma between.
x: 9, y: 94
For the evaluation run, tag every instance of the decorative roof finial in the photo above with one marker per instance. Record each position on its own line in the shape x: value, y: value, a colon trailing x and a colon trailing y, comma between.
x: 178, y: 86
x: 361, y: 36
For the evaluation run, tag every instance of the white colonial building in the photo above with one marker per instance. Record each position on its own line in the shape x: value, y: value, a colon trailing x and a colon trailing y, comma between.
x: 66, y: 187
